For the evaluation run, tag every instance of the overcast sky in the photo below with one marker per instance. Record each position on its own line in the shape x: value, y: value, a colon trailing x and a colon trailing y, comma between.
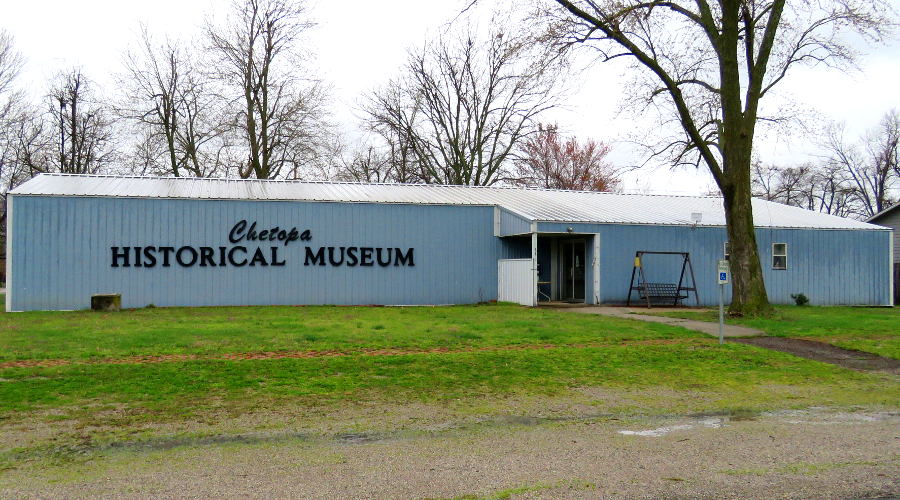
x: 360, y: 44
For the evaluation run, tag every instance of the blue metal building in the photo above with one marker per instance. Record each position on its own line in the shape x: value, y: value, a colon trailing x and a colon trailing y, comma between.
x: 192, y: 242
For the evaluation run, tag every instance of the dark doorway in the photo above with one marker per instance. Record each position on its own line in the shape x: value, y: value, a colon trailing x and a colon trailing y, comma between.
x: 571, y: 259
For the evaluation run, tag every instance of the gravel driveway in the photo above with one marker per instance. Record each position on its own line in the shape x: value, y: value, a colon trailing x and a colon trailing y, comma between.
x: 791, y: 454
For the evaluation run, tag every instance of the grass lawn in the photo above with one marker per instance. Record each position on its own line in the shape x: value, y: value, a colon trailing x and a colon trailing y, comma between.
x: 743, y: 375
x: 480, y: 357
x: 575, y: 350
x: 217, y: 330
x: 869, y: 329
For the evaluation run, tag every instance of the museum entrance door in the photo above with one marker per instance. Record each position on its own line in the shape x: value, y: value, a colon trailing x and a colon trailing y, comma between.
x: 571, y: 260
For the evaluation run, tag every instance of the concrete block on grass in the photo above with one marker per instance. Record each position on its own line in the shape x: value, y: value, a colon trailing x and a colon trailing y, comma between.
x: 106, y: 302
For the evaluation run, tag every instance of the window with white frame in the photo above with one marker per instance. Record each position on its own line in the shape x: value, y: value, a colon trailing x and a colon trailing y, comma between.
x: 779, y: 255
x: 726, y: 250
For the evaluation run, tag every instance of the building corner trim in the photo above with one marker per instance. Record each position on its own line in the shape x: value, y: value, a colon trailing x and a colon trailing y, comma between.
x: 891, y: 265
x: 595, y: 268
x: 534, y: 269
x: 497, y: 221
x: 9, y: 253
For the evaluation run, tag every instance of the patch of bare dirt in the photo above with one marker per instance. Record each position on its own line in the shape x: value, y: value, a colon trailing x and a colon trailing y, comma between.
x: 827, y: 353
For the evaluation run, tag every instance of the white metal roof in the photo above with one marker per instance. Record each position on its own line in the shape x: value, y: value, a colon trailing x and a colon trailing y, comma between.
x: 533, y: 204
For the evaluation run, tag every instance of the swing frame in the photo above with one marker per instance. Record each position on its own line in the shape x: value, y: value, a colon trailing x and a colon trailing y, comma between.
x: 669, y: 291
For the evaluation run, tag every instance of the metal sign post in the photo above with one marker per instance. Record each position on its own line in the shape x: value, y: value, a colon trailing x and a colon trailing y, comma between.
x: 723, y: 271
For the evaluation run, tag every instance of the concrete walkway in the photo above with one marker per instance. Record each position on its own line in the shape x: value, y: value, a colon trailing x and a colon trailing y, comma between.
x: 636, y: 313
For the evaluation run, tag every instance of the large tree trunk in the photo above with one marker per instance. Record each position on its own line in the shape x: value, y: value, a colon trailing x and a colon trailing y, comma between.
x: 748, y: 291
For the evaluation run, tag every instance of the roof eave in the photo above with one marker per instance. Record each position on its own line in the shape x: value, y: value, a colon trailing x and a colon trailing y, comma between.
x: 884, y: 212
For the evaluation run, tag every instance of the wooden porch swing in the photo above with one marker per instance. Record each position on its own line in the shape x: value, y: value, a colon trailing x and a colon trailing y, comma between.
x: 662, y: 293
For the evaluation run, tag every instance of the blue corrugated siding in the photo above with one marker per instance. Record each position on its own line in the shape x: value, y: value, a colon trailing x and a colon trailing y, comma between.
x: 517, y: 247
x: 62, y: 253
x: 511, y: 223
x: 830, y: 267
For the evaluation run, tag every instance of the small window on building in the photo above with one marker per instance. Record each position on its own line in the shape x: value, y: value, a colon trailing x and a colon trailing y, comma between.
x: 779, y: 255
x: 726, y: 250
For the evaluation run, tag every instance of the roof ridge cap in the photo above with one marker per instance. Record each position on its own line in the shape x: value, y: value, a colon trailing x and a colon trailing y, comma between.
x: 359, y: 183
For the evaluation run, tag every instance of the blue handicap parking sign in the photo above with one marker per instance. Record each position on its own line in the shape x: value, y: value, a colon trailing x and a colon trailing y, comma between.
x: 723, y: 276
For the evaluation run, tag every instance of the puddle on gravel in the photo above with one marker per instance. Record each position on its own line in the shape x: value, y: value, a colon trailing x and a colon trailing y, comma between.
x: 709, y: 423
x: 359, y: 438
x: 167, y: 443
x: 813, y: 417
x: 162, y: 443
x: 810, y: 416
x: 152, y: 444
x: 666, y: 424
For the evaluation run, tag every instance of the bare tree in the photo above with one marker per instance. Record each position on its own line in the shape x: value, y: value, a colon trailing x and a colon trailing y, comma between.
x: 851, y: 179
x: 461, y: 105
x: 550, y: 161
x: 168, y: 98
x: 830, y: 192
x: 73, y: 134
x: 365, y: 165
x: 11, y: 102
x: 870, y: 167
x: 387, y: 163
x: 11, y: 62
x: 278, y: 112
x: 788, y: 185
x: 884, y: 142
x: 36, y: 140
x: 386, y: 155
x: 85, y: 126
x: 821, y: 188
x: 710, y: 63
x: 765, y: 181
